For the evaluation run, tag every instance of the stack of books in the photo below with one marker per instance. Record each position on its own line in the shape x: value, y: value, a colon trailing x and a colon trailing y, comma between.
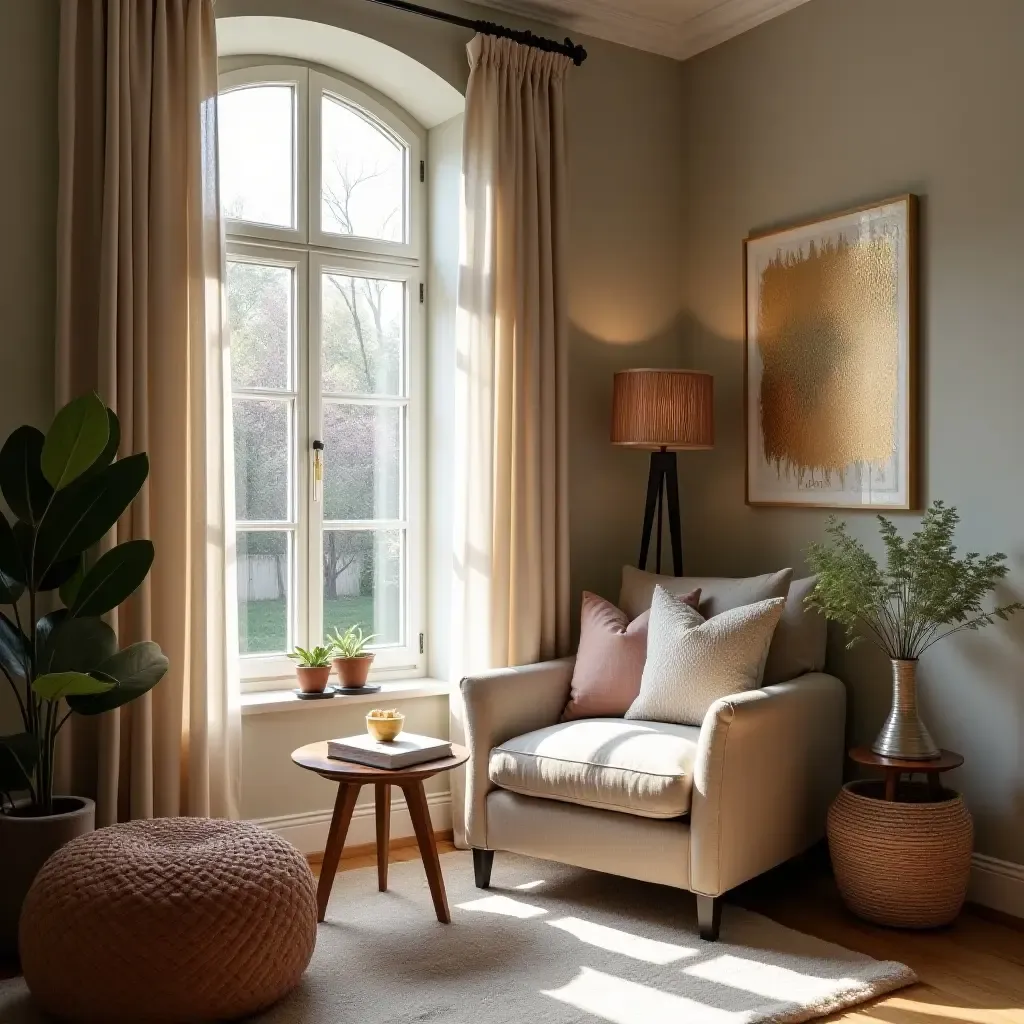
x: 404, y: 752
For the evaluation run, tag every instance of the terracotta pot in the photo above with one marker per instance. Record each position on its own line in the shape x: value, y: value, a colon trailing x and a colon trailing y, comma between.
x: 353, y: 671
x: 313, y: 679
x: 903, y: 863
x: 27, y: 843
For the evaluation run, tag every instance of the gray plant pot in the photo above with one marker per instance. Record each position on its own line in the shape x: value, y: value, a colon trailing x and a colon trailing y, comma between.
x: 25, y: 844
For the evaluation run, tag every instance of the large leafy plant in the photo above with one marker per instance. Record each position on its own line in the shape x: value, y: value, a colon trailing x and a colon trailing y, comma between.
x: 925, y: 594
x: 66, y: 490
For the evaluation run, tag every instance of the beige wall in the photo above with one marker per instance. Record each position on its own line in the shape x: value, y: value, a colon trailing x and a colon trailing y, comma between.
x: 834, y: 104
x: 28, y: 213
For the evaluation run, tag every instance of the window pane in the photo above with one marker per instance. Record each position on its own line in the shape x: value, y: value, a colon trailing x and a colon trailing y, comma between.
x: 264, y: 592
x: 362, y: 462
x: 362, y: 576
x: 256, y: 129
x: 262, y: 459
x: 362, y: 328
x: 363, y: 176
x: 261, y: 320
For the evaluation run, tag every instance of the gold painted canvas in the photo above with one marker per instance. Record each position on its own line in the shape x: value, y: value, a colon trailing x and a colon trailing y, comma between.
x: 830, y: 354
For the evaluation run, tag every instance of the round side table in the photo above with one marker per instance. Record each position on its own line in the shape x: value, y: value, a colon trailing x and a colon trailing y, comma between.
x: 893, y: 768
x: 351, y: 778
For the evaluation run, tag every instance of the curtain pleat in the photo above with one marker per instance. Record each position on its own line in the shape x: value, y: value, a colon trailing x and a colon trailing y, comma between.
x: 140, y: 320
x: 511, y: 602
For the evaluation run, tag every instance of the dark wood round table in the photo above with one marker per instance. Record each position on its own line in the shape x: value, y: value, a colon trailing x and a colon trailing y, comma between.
x: 351, y: 778
x: 893, y: 767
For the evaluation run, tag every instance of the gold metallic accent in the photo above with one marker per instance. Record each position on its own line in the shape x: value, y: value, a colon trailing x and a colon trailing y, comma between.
x: 828, y: 337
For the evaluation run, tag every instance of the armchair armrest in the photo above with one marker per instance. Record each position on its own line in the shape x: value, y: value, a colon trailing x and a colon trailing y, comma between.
x: 496, y: 706
x: 769, y: 763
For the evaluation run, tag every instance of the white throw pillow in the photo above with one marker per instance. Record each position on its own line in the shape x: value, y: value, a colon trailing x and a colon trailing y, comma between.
x: 693, y: 661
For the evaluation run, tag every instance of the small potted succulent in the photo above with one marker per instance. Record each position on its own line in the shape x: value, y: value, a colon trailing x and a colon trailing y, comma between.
x: 351, y: 658
x: 313, y: 668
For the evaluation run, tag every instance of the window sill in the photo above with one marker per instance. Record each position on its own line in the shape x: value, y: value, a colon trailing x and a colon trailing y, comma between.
x: 262, y: 702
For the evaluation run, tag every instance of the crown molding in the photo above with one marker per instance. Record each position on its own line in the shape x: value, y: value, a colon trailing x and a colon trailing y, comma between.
x: 672, y: 28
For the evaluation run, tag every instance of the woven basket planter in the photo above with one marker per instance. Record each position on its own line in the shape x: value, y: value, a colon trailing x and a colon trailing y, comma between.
x: 902, y: 863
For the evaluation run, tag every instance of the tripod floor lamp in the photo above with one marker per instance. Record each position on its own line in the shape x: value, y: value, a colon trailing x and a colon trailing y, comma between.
x: 663, y: 411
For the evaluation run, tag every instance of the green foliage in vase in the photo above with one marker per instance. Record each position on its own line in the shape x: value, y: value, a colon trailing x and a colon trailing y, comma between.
x: 351, y: 643
x: 66, y: 490
x: 925, y: 593
x: 318, y: 657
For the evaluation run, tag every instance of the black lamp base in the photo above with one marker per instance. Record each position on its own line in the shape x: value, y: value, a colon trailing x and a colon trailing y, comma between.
x: 663, y: 477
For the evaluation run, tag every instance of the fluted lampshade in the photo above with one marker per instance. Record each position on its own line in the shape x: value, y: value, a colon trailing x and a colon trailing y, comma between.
x: 671, y: 409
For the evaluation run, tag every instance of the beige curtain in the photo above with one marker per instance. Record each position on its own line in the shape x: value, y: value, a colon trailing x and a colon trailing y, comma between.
x: 139, y: 319
x: 511, y: 603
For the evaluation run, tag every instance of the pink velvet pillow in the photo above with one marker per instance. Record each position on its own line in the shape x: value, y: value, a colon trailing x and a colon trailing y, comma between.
x: 610, y: 659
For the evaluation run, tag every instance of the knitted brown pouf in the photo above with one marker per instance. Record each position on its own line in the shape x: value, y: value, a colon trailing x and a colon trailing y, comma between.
x: 171, y: 920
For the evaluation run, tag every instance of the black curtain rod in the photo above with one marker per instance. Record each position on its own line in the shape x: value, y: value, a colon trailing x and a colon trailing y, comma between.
x: 577, y: 54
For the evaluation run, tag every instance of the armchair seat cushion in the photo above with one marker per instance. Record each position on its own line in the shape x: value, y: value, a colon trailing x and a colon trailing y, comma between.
x: 635, y: 767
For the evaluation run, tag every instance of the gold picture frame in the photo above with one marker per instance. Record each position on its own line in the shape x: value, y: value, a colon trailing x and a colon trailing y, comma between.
x: 830, y: 360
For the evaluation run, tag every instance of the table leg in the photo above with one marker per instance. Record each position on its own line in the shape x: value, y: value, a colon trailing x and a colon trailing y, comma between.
x: 420, y: 814
x: 343, y: 807
x: 935, y: 785
x: 891, y: 778
x: 383, y: 801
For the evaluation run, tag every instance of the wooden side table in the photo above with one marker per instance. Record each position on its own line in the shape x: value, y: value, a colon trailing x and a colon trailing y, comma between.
x: 892, y: 768
x: 351, y: 778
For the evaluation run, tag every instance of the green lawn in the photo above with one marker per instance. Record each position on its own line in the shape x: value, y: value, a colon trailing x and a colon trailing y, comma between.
x: 262, y: 624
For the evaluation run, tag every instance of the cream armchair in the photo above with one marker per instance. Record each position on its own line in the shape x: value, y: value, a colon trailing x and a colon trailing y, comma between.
x: 702, y: 809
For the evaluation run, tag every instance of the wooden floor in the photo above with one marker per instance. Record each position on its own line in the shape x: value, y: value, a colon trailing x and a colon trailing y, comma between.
x: 972, y: 971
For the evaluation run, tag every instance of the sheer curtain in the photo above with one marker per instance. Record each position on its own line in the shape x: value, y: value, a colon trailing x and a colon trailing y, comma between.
x: 511, y: 603
x: 140, y: 320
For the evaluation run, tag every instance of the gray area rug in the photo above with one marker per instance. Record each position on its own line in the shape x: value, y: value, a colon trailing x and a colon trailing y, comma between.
x: 550, y: 944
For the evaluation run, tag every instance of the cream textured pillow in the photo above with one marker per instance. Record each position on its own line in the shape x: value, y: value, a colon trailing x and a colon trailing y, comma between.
x: 693, y: 661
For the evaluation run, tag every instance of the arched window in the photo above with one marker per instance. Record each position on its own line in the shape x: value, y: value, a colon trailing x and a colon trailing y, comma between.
x: 321, y: 188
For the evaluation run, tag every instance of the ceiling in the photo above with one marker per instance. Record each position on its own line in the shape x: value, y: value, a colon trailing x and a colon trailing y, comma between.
x: 675, y: 28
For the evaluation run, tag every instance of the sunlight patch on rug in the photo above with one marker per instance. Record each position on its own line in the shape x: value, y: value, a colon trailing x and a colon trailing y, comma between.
x: 615, y: 940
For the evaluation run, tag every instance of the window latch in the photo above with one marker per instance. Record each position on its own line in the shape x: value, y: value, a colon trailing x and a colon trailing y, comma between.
x: 318, y: 470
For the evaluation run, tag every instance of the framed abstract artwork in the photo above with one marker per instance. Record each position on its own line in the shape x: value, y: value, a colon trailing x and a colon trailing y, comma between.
x: 831, y: 360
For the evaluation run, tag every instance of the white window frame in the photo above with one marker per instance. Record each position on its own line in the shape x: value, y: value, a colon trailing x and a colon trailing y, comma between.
x: 297, y: 78
x: 311, y: 251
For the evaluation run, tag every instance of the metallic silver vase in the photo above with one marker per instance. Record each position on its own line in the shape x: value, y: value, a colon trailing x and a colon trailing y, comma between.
x: 904, y: 735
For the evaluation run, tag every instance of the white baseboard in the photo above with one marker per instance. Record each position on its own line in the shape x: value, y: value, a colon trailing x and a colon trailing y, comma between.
x: 998, y: 884
x: 309, y: 831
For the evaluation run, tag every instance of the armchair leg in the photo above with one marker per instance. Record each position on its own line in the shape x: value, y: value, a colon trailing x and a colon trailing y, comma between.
x: 482, y: 863
x: 709, y: 917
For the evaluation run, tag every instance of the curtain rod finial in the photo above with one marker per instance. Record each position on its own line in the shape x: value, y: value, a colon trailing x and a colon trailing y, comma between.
x: 575, y: 51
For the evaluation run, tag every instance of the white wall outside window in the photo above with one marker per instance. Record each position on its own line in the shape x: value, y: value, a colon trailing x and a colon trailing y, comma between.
x: 325, y: 219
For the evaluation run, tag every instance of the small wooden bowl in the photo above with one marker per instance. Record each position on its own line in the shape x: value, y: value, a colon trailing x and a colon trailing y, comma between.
x: 385, y: 730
